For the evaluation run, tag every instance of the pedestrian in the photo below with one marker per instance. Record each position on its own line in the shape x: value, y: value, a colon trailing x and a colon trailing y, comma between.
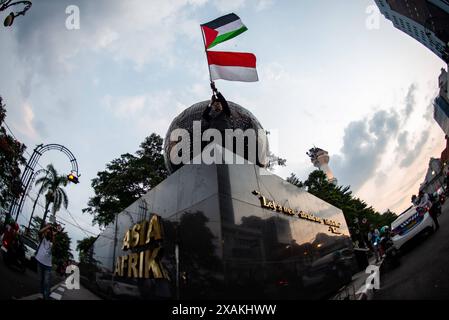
x: 44, y: 258
x: 424, y: 202
x: 375, y: 239
x: 434, y: 211
x: 447, y: 183
x: 415, y: 200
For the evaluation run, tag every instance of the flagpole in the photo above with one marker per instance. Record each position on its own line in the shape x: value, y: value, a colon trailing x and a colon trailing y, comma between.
x: 207, y: 57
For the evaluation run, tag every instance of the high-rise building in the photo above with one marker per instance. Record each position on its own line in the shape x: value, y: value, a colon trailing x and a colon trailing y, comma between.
x: 441, y: 103
x: 427, y: 21
x: 320, y: 159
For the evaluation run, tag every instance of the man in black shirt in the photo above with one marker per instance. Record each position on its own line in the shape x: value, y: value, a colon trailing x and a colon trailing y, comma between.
x: 217, y: 106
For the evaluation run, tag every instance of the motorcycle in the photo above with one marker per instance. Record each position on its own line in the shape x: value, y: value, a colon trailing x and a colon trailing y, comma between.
x: 14, y: 254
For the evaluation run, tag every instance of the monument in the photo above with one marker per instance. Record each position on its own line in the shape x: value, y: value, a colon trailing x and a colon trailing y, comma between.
x: 223, y: 231
x: 221, y: 226
x: 320, y: 159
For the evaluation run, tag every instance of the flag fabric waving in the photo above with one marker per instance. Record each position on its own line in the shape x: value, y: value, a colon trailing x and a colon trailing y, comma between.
x: 222, y: 29
x: 232, y: 66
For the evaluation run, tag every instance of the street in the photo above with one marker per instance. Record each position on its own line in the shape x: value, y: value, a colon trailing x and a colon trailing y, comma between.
x: 423, y: 273
x: 16, y: 285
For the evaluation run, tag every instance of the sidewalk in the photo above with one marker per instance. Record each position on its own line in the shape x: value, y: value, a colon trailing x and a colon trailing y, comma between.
x: 355, y: 289
x: 60, y: 292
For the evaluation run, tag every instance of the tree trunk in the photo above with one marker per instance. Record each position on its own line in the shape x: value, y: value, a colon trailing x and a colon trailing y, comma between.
x: 47, y: 204
x: 32, y: 212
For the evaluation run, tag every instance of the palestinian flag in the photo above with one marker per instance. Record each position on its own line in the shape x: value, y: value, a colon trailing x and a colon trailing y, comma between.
x: 232, y: 66
x: 222, y: 29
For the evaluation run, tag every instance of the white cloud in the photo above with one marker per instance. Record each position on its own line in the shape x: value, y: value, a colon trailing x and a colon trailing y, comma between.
x: 227, y: 6
x: 126, y: 107
x: 264, y: 4
x: 27, y: 127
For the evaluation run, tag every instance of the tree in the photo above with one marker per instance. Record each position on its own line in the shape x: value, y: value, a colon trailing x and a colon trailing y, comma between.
x: 126, y: 179
x: 11, y: 158
x: 61, y: 249
x: 52, y: 184
x: 84, y: 248
x: 35, y: 226
x: 354, y: 209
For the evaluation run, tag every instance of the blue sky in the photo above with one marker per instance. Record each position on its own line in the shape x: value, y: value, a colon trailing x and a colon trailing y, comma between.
x: 325, y: 79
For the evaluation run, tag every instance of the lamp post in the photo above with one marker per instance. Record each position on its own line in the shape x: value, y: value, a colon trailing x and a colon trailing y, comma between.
x: 5, y: 4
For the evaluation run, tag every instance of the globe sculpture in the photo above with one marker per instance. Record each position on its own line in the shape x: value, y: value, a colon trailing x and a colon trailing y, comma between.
x: 240, y: 119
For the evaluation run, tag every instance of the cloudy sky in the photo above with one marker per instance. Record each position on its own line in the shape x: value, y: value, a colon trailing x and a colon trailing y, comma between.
x: 329, y: 77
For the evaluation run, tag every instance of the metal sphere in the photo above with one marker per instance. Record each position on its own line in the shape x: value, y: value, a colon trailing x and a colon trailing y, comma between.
x: 240, y: 118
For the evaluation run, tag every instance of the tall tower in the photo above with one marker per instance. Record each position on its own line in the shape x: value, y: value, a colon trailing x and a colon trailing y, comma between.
x: 320, y: 159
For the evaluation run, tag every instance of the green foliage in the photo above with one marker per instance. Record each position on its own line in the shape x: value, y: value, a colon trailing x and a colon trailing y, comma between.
x: 61, y: 249
x: 126, y: 179
x: 341, y: 197
x: 11, y: 158
x: 52, y: 184
x: 83, y: 247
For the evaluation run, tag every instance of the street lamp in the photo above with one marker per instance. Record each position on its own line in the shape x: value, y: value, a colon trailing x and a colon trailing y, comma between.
x: 5, y: 4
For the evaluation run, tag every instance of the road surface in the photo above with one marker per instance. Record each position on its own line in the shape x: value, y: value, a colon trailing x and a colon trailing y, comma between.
x: 16, y: 285
x: 424, y: 269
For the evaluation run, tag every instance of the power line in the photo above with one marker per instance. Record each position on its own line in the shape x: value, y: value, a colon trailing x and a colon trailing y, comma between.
x: 14, y: 136
x: 43, y: 207
x: 68, y: 222
x: 70, y: 214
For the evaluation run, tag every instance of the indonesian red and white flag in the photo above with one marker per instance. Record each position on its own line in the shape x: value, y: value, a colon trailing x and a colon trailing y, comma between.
x: 232, y: 66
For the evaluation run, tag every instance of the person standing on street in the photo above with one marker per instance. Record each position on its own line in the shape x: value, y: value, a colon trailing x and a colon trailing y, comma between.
x: 415, y: 200
x: 447, y: 183
x: 434, y: 211
x: 44, y: 258
x: 424, y: 202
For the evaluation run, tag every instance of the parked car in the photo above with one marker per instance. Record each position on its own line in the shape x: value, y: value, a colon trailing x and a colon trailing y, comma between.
x: 410, y: 224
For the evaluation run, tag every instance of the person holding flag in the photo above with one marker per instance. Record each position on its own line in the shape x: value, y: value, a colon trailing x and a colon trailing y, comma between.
x: 218, y: 104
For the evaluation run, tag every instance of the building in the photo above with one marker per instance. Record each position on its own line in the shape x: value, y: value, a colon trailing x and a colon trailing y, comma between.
x: 427, y: 21
x: 442, y: 4
x: 443, y: 84
x: 441, y: 103
x: 320, y: 159
x: 434, y: 179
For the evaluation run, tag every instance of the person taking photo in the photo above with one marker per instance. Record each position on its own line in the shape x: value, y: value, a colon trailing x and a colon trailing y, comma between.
x: 44, y: 257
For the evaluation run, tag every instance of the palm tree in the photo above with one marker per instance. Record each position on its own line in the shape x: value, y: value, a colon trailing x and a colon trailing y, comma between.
x: 41, y: 190
x: 52, y: 184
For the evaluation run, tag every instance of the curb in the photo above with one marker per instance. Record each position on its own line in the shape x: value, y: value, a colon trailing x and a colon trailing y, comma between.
x: 362, y: 293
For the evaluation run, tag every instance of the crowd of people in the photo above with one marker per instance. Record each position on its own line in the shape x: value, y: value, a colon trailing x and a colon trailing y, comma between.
x: 375, y: 239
